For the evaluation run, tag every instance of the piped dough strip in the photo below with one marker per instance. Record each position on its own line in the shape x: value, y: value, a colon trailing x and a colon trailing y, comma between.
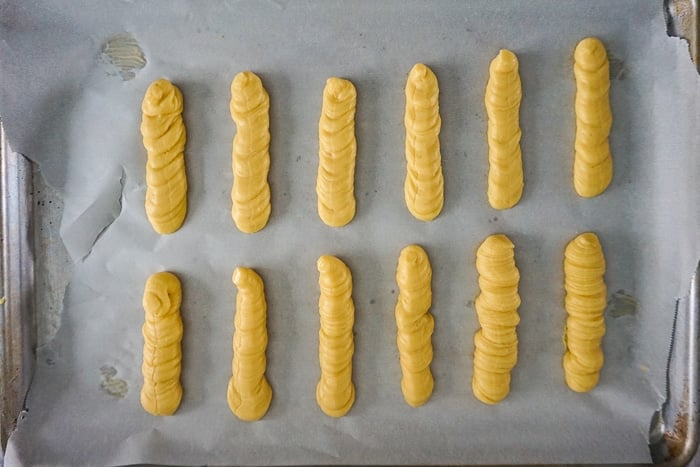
x: 249, y: 393
x: 335, y: 392
x: 164, y: 137
x: 502, y: 99
x: 335, y: 183
x: 585, y: 302
x: 250, y: 194
x: 593, y: 167
x: 415, y: 324
x: 161, y: 392
x: 424, y: 185
x: 496, y: 343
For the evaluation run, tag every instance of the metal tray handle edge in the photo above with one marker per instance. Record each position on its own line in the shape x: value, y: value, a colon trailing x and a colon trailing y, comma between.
x: 690, y: 443
x: 683, y: 21
x: 17, y: 312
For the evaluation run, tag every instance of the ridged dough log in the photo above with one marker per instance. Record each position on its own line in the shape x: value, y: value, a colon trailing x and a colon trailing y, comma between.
x: 249, y: 393
x: 335, y: 392
x: 503, y: 95
x: 335, y: 184
x: 250, y: 194
x: 424, y: 185
x: 415, y: 324
x: 593, y: 166
x: 496, y: 343
x: 585, y: 302
x: 161, y: 392
x: 164, y: 137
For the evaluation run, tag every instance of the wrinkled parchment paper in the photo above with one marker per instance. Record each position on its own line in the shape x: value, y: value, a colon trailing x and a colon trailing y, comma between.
x: 66, y: 105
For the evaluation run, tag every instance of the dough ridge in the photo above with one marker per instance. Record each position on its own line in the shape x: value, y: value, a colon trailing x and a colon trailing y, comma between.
x: 164, y: 138
x: 496, y: 343
x: 502, y: 100
x: 424, y: 185
x: 585, y: 302
x: 335, y: 391
x: 250, y: 157
x: 161, y: 392
x: 249, y: 393
x: 335, y: 183
x: 593, y: 167
x: 415, y: 324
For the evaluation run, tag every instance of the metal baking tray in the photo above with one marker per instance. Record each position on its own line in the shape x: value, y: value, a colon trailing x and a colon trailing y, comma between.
x: 34, y: 266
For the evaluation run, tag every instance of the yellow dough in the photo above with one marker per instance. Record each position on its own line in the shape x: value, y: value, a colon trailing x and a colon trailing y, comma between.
x: 503, y: 94
x: 249, y: 394
x: 415, y: 324
x: 496, y: 343
x: 162, y: 333
x: 593, y: 167
x: 164, y: 138
x: 250, y: 110
x: 335, y: 185
x: 584, y: 266
x: 424, y: 186
x: 335, y: 392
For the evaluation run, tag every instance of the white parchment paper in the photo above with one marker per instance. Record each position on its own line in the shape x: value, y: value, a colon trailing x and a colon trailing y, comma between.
x: 64, y: 106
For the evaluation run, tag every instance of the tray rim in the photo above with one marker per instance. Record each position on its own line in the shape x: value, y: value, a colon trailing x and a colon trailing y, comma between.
x: 17, y: 315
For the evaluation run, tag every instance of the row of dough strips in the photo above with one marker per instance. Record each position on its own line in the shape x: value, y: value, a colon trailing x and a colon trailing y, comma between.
x: 164, y: 138
x: 495, y: 343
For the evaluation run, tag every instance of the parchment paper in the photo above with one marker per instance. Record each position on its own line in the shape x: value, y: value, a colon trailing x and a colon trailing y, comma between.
x: 65, y: 106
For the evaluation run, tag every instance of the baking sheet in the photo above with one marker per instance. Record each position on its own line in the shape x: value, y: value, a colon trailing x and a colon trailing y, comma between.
x: 67, y: 107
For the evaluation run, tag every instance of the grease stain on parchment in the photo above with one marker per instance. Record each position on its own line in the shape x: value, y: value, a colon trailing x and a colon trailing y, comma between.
x: 123, y: 56
x: 622, y: 304
x: 110, y: 384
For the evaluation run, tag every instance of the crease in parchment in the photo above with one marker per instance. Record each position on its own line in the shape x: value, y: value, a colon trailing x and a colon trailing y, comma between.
x: 81, y: 234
